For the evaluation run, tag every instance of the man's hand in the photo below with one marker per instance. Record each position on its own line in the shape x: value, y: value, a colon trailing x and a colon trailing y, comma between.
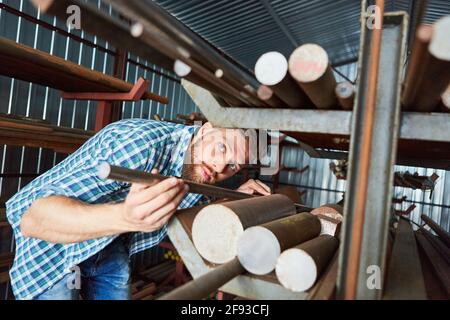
x: 254, y: 186
x: 148, y: 208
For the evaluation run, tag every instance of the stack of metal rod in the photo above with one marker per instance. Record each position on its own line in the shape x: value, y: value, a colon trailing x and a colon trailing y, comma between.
x: 418, y: 262
x: 146, y: 283
x: 153, y: 34
x: 262, y: 235
x: 304, y: 80
x: 426, y: 86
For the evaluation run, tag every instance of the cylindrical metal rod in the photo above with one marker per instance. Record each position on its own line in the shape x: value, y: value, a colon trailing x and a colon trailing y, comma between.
x: 310, y: 67
x: 298, y: 268
x: 271, y: 69
x: 438, y: 244
x: 214, y: 88
x: 443, y: 235
x: 266, y: 94
x: 217, y: 227
x: 202, y: 50
x: 152, y: 36
x: 112, y: 30
x: 107, y: 171
x: 204, y: 285
x: 446, y: 100
x: 345, y: 93
x: 199, y: 49
x: 259, y: 247
x: 99, y: 23
x: 429, y: 70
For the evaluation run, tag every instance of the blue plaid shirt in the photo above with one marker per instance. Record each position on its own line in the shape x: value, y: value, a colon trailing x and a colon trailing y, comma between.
x: 136, y: 144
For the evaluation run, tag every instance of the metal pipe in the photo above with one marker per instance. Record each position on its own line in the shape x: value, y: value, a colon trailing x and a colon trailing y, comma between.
x: 429, y: 71
x: 152, y: 36
x: 404, y: 279
x: 114, y: 31
x: 204, y: 285
x: 259, y: 247
x: 298, y: 268
x: 216, y: 228
x: 216, y: 89
x: 446, y: 99
x: 438, y: 264
x: 198, y: 48
x: 271, y: 69
x: 202, y: 50
x: 99, y: 23
x: 310, y: 67
x: 107, y: 171
x: 443, y: 235
x: 345, y: 93
x: 438, y: 244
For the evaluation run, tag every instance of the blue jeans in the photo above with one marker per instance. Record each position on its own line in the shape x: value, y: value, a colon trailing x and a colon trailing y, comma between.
x: 104, y: 276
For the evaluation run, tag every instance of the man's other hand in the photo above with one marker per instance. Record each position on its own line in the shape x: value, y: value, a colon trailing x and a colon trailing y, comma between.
x: 255, y: 187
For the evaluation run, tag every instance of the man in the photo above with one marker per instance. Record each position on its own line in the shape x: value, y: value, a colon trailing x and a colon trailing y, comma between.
x: 75, y: 232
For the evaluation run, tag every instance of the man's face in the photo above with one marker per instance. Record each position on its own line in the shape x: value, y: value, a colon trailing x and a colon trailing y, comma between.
x: 215, y: 155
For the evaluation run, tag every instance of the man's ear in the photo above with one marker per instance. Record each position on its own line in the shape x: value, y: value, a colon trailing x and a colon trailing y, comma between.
x: 201, y: 132
x: 207, y: 125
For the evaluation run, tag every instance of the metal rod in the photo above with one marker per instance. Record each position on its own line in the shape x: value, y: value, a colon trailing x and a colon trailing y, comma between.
x: 204, y: 285
x: 217, y: 228
x: 438, y: 244
x: 428, y: 74
x: 310, y: 67
x: 443, y: 235
x: 298, y: 268
x: 345, y: 93
x: 259, y: 247
x: 266, y: 94
x: 446, y: 99
x: 97, y: 22
x: 417, y: 10
x: 404, y: 276
x: 107, y: 171
x: 438, y: 264
x: 199, y: 47
x: 150, y: 14
x: 271, y: 69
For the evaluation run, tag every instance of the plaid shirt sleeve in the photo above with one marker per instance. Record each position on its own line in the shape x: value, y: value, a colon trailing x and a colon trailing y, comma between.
x: 38, y: 264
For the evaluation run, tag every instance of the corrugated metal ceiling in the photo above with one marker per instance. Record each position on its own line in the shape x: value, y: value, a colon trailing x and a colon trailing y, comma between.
x: 245, y: 29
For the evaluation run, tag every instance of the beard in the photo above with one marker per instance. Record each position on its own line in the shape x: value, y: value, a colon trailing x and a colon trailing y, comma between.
x: 192, y: 171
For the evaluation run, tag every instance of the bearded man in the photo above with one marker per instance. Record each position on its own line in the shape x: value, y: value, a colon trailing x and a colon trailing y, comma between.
x: 71, y: 227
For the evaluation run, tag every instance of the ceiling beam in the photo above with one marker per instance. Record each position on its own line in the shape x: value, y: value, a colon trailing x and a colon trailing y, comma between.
x: 280, y: 23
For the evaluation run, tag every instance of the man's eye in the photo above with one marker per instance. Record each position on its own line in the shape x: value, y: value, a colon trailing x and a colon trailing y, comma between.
x: 221, y: 147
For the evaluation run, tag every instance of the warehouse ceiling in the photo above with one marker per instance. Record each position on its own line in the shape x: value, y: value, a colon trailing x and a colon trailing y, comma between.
x: 245, y: 29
